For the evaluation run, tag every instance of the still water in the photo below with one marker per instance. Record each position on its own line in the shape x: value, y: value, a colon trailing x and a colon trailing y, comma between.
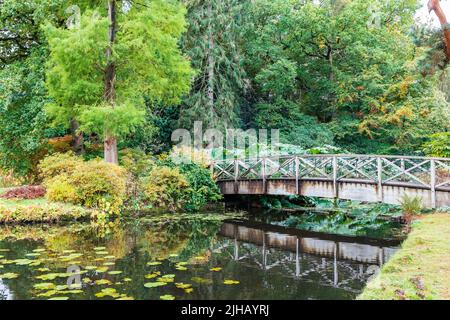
x: 188, y: 257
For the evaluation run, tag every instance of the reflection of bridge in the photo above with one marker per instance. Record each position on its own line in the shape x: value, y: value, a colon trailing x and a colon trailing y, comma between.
x: 307, y: 252
x: 354, y: 177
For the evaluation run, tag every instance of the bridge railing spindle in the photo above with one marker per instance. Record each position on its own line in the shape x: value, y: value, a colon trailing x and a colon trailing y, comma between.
x: 433, y: 183
x: 380, y: 178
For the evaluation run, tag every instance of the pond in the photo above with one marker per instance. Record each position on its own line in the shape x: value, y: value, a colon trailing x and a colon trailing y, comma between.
x: 202, y: 256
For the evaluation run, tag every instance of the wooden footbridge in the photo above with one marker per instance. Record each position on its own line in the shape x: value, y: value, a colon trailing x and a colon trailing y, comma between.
x: 367, y: 178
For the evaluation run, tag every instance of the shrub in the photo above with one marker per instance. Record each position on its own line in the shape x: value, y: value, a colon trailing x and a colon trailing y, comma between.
x: 41, y: 213
x: 61, y: 190
x: 202, y: 188
x: 57, y: 164
x: 165, y: 188
x: 98, y: 183
x: 136, y: 162
x: 438, y: 145
x: 8, y: 180
x: 25, y: 192
x: 94, y: 183
x: 411, y: 205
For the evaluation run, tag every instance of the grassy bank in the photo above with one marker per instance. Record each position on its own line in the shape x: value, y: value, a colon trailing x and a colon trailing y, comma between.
x: 421, y: 269
x: 38, y: 211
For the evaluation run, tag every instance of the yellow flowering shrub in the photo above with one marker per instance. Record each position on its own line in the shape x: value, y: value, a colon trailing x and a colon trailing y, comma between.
x: 165, y: 188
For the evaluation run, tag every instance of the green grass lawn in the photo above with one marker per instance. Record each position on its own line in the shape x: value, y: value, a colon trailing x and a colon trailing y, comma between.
x: 421, y: 269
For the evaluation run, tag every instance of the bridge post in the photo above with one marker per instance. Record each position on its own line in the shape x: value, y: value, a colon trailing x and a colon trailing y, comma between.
x: 335, y: 177
x: 297, y: 176
x: 263, y: 173
x: 236, y: 176
x: 433, y: 183
x: 380, y: 179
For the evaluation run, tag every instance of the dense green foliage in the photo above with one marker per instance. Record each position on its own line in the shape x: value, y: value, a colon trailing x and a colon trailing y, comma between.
x: 213, y: 42
x: 187, y: 186
x: 75, y: 74
x: 338, y: 75
x: 438, y: 145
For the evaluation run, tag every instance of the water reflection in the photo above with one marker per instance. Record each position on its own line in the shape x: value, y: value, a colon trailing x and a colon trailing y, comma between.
x: 339, y: 261
x: 195, y: 258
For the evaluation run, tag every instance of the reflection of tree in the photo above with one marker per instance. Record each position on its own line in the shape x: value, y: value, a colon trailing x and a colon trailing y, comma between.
x: 184, y: 238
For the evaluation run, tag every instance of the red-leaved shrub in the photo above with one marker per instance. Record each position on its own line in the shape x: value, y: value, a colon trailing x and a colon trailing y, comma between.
x: 25, y: 192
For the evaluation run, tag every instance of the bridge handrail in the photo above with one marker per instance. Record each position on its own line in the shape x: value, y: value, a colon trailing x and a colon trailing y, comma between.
x: 332, y: 155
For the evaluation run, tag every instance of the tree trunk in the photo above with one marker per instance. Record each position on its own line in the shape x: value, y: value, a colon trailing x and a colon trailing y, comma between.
x: 210, y: 64
x: 434, y: 5
x: 77, y: 138
x: 111, y: 153
x: 110, y: 145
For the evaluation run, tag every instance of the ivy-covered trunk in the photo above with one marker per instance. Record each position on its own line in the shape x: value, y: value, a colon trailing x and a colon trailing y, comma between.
x: 110, y: 144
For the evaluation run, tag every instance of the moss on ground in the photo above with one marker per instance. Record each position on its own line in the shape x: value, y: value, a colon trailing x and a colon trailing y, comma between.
x: 39, y: 211
x: 421, y: 269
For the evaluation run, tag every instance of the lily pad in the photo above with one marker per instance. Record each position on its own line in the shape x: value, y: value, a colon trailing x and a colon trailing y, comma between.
x: 23, y: 262
x: 90, y: 267
x: 48, y: 293
x: 167, y: 297
x: 103, y: 282
x: 166, y: 280
x: 115, y: 272
x: 99, y: 248
x: 153, y: 275
x: 34, y: 254
x: 108, y: 292
x: 154, y: 263
x: 9, y: 275
x: 183, y: 285
x: 86, y: 280
x: 44, y: 286
x: 59, y: 298
x: 125, y: 298
x: 217, y: 269
x: 154, y: 284
x: 181, y: 268
x: 227, y: 281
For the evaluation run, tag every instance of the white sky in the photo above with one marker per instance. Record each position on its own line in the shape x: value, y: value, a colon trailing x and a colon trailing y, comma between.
x: 424, y: 17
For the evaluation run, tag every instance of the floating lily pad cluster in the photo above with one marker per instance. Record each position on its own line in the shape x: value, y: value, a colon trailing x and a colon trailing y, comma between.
x: 58, y: 272
x: 161, y: 280
x: 47, y: 280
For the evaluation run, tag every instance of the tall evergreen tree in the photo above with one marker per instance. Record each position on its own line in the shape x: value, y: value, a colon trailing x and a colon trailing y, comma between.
x: 213, y: 42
